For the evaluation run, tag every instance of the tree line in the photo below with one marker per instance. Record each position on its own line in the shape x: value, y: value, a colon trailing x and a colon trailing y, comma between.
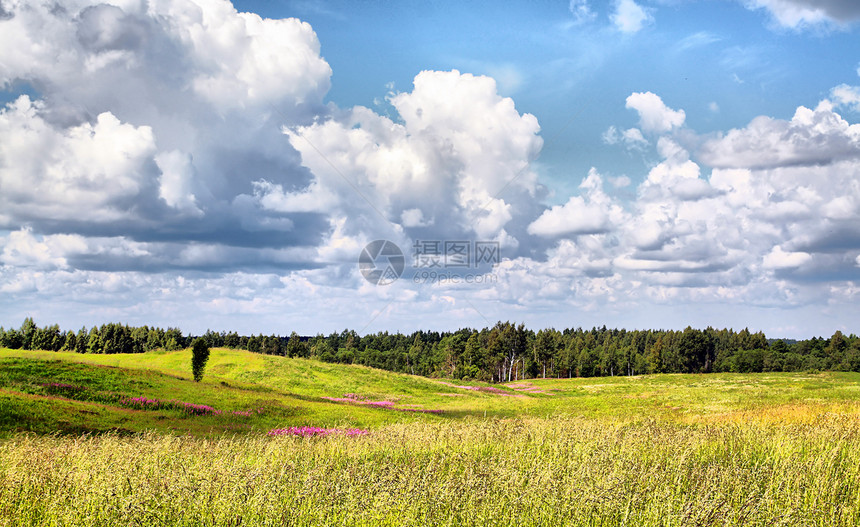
x: 107, y: 338
x: 504, y: 352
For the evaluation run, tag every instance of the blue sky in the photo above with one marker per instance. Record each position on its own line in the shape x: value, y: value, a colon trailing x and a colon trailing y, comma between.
x: 640, y: 164
x: 574, y: 76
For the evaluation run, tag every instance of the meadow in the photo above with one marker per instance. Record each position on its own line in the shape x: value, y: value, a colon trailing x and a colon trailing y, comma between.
x: 265, y: 440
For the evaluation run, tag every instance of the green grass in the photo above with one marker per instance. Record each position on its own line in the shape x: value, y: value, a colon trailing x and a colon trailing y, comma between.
x: 291, y: 392
x: 664, y: 450
x: 105, y: 379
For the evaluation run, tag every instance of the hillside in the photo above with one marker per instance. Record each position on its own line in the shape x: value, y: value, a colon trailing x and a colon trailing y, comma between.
x: 242, y: 392
x: 55, y: 391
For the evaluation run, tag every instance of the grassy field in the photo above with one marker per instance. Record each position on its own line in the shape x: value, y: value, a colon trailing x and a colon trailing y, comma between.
x: 78, y: 448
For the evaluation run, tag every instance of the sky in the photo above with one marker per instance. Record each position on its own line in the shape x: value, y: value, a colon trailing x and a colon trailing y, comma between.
x: 629, y: 163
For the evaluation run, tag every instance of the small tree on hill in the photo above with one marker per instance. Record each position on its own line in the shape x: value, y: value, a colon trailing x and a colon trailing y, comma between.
x: 199, y: 356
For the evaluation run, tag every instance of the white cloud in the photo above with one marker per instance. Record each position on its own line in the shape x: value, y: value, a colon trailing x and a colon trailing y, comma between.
x: 232, y: 59
x: 24, y: 250
x: 197, y: 140
x: 654, y: 115
x: 620, y: 181
x: 575, y: 217
x: 848, y: 96
x: 632, y: 138
x: 676, y: 176
x: 780, y: 259
x: 273, y: 197
x: 85, y: 171
x: 460, y: 145
x: 177, y: 175
x: 155, y: 119
x: 246, y: 60
x: 804, y: 13
x: 630, y: 17
x: 810, y: 137
x: 746, y: 232
x: 581, y: 11
x: 414, y: 218
x: 592, y: 214
x: 611, y: 136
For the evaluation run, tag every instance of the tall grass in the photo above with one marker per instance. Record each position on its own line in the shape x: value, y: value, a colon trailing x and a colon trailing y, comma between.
x: 663, y: 450
x: 556, y: 471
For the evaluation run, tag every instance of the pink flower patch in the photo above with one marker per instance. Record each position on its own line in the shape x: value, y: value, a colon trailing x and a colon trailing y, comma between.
x: 352, y: 398
x: 490, y: 389
x: 310, y: 431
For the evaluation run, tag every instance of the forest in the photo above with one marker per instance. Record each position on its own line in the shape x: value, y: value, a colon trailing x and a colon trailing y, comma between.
x: 505, y: 352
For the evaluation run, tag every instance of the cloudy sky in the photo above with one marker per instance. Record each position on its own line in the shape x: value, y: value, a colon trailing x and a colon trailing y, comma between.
x: 638, y: 163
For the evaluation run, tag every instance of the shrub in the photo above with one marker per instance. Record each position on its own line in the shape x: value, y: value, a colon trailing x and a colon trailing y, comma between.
x: 199, y: 357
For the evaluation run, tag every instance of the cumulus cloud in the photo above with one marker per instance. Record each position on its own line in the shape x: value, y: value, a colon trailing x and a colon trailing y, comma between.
x: 654, y: 115
x: 812, y: 137
x: 593, y: 213
x: 750, y: 217
x: 755, y: 215
x: 195, y: 161
x: 630, y: 17
x: 153, y: 121
x: 94, y: 170
x: 463, y: 153
x: 676, y: 175
x: 196, y: 141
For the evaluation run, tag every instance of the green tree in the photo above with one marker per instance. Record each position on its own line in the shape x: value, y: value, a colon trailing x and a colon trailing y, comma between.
x: 295, y: 347
x: 173, y: 339
x: 231, y: 340
x: 655, y: 359
x: 82, y: 340
x: 154, y: 339
x: 474, y: 357
x: 415, y: 353
x: 69, y: 341
x: 28, y: 333
x: 544, y: 349
x: 322, y: 350
x: 138, y: 339
x: 13, y: 339
x: 836, y: 349
x: 199, y: 357
x: 852, y: 357
x: 94, y: 341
